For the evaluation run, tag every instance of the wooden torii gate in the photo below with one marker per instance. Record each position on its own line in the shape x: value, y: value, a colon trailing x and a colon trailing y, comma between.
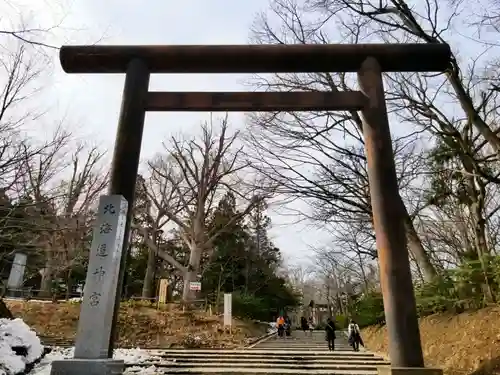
x: 368, y: 60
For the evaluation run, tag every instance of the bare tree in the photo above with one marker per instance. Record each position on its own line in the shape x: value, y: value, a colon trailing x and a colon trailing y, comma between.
x: 468, y: 144
x: 20, y: 69
x: 152, y: 196
x: 425, y: 25
x: 471, y: 139
x: 196, y: 171
x: 62, y: 194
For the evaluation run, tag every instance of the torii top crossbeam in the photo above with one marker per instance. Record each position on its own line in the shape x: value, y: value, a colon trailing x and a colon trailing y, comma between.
x: 290, y: 58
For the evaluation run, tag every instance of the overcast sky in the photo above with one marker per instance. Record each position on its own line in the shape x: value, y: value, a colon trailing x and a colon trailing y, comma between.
x: 91, y: 102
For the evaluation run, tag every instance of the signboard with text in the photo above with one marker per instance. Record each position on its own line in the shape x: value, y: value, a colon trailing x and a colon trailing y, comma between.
x: 195, y: 285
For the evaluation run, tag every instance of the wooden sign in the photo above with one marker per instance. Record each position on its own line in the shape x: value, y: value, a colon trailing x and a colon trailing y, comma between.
x: 162, y: 294
x: 228, y: 309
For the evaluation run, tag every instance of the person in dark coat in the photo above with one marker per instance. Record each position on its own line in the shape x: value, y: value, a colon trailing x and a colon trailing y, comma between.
x: 330, y: 334
x: 303, y: 324
x: 288, y: 326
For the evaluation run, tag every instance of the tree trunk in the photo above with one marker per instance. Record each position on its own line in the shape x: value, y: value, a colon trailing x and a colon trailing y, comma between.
x: 192, y: 273
x: 147, y: 286
x: 47, y: 279
x: 5, y: 313
x: 363, y: 273
x: 477, y: 210
x: 416, y: 247
x: 69, y: 284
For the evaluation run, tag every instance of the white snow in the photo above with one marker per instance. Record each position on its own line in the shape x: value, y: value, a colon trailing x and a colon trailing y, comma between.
x: 16, y: 333
x: 129, y: 356
x: 137, y: 370
x: 30, y: 300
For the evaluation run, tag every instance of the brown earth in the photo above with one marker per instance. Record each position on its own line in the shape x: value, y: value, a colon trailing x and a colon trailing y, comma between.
x: 468, y: 343
x: 140, y: 325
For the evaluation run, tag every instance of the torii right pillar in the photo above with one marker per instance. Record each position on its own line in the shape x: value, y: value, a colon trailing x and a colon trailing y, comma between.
x: 405, y: 347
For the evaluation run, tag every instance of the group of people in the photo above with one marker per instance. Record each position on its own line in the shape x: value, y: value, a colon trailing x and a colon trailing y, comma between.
x: 284, y: 325
x: 353, y: 331
x: 353, y: 335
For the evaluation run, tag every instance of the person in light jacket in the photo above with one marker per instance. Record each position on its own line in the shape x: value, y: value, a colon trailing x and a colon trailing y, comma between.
x: 354, y: 334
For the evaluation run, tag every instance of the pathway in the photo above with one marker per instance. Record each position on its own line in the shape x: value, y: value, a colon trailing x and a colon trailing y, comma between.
x: 299, y: 354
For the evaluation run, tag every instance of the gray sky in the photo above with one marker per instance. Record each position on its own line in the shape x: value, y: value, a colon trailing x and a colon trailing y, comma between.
x: 91, y: 102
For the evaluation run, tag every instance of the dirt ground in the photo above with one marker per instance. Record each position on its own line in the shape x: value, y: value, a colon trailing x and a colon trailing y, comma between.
x: 468, y: 343
x: 140, y: 326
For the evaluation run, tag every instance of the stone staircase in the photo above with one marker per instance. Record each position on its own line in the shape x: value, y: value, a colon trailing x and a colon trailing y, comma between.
x: 299, y: 354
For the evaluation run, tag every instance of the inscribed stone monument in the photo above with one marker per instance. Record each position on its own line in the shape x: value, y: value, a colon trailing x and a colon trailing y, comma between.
x: 96, y: 314
x: 16, y: 275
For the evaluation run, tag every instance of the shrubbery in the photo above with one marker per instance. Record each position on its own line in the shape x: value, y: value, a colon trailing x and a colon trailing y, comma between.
x: 455, y: 290
x: 249, y: 306
x: 461, y: 288
x: 260, y: 307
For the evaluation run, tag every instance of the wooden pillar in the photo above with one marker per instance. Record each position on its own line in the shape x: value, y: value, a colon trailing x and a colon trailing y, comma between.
x: 395, y: 277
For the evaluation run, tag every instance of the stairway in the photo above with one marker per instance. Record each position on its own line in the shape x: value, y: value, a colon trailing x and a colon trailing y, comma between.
x: 299, y: 354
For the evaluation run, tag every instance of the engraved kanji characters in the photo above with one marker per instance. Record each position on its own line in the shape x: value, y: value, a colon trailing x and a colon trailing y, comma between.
x: 102, y: 250
x: 94, y: 299
x: 109, y: 209
x: 99, y: 273
x: 105, y: 228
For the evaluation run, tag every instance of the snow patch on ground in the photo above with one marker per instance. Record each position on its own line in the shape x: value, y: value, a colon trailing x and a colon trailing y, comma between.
x: 136, y: 370
x: 129, y: 356
x: 15, y: 333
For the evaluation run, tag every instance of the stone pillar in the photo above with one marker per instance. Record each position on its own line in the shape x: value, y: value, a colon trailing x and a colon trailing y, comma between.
x: 97, y: 308
x: 16, y: 275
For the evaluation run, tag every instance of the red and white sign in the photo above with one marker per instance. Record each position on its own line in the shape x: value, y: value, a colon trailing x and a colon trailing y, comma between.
x: 195, y: 285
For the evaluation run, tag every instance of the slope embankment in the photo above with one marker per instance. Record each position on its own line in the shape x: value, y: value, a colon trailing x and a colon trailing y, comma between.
x: 467, y: 343
x: 140, y: 326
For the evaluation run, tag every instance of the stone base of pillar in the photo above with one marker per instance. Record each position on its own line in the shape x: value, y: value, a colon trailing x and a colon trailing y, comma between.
x: 76, y: 366
x: 388, y: 370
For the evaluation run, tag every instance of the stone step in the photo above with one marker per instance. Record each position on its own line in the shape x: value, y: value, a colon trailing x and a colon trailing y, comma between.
x: 306, y: 345
x: 316, y: 350
x: 252, y: 370
x: 259, y: 351
x: 355, y: 361
x: 310, y: 366
x: 301, y: 355
x: 302, y: 345
x: 295, y: 355
x: 297, y: 346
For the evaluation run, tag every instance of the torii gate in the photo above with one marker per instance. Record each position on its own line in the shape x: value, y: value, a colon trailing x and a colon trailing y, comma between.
x: 368, y: 60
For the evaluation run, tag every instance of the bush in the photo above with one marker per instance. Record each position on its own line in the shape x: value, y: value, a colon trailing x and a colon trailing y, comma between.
x: 341, y: 321
x: 369, y: 309
x: 455, y: 290
x: 250, y: 306
x: 320, y: 326
x: 460, y: 288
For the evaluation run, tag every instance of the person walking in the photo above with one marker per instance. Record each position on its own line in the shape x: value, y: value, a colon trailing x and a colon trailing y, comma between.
x: 311, y: 325
x: 354, y: 335
x: 280, y: 323
x: 304, y: 325
x: 330, y: 334
x: 288, y: 326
